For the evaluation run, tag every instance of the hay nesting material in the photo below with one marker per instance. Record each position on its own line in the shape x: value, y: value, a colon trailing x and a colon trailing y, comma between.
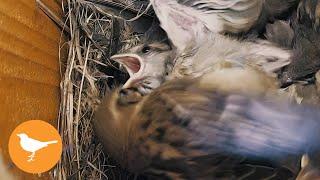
x: 94, y: 35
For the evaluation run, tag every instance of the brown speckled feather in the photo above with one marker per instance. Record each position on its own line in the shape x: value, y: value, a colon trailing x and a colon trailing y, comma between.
x: 186, y: 130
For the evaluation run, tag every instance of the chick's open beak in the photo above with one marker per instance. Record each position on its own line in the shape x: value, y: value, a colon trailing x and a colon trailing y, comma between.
x: 131, y: 62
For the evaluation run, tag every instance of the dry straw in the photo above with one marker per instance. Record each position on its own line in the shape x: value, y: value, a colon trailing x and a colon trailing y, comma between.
x: 93, y: 35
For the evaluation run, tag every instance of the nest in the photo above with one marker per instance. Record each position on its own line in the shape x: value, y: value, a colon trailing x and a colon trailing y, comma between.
x: 94, y: 33
x: 96, y: 29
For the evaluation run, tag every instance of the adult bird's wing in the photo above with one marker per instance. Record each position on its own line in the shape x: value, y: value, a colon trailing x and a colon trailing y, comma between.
x: 191, y: 132
x: 188, y: 20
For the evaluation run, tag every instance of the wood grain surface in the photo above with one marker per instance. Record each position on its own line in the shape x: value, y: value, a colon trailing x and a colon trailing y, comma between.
x: 29, y: 70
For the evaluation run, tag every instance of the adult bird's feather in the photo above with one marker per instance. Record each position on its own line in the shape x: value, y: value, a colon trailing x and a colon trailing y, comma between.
x: 198, y: 129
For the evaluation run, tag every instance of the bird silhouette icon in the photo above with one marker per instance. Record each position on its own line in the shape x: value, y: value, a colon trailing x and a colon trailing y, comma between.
x: 32, y: 145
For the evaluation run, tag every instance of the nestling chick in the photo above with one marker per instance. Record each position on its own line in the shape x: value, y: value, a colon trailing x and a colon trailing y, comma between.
x: 217, y: 50
x: 195, y: 129
x: 155, y: 65
x: 194, y: 28
x: 197, y: 49
x: 147, y: 64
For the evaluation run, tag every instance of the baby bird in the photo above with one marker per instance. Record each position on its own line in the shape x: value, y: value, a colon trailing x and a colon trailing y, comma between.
x: 197, y: 48
x: 195, y: 56
x: 196, y: 29
x: 149, y: 62
x: 201, y: 129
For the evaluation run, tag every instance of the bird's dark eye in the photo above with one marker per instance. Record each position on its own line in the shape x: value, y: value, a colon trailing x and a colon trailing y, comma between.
x: 146, y: 49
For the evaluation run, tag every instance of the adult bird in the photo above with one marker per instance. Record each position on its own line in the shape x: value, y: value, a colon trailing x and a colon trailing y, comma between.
x: 211, y: 127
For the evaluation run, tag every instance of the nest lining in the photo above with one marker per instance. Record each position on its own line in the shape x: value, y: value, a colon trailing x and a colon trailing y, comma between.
x: 94, y: 35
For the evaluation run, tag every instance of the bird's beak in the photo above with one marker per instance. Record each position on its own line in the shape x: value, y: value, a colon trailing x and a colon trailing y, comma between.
x: 131, y: 62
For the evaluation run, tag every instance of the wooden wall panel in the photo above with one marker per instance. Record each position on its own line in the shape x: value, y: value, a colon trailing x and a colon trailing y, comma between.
x: 29, y: 69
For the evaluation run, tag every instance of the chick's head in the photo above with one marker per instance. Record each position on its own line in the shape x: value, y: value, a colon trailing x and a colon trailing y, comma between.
x: 147, y: 64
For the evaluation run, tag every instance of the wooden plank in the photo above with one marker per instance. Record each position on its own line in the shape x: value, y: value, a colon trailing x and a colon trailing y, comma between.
x: 29, y: 69
x: 28, y: 50
x: 27, y: 34
x: 21, y: 68
x: 32, y: 17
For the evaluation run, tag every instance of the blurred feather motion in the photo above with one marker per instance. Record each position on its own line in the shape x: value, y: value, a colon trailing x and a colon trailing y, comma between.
x: 211, y: 127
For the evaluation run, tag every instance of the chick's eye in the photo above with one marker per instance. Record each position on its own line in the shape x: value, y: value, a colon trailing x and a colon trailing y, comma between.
x: 146, y: 49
